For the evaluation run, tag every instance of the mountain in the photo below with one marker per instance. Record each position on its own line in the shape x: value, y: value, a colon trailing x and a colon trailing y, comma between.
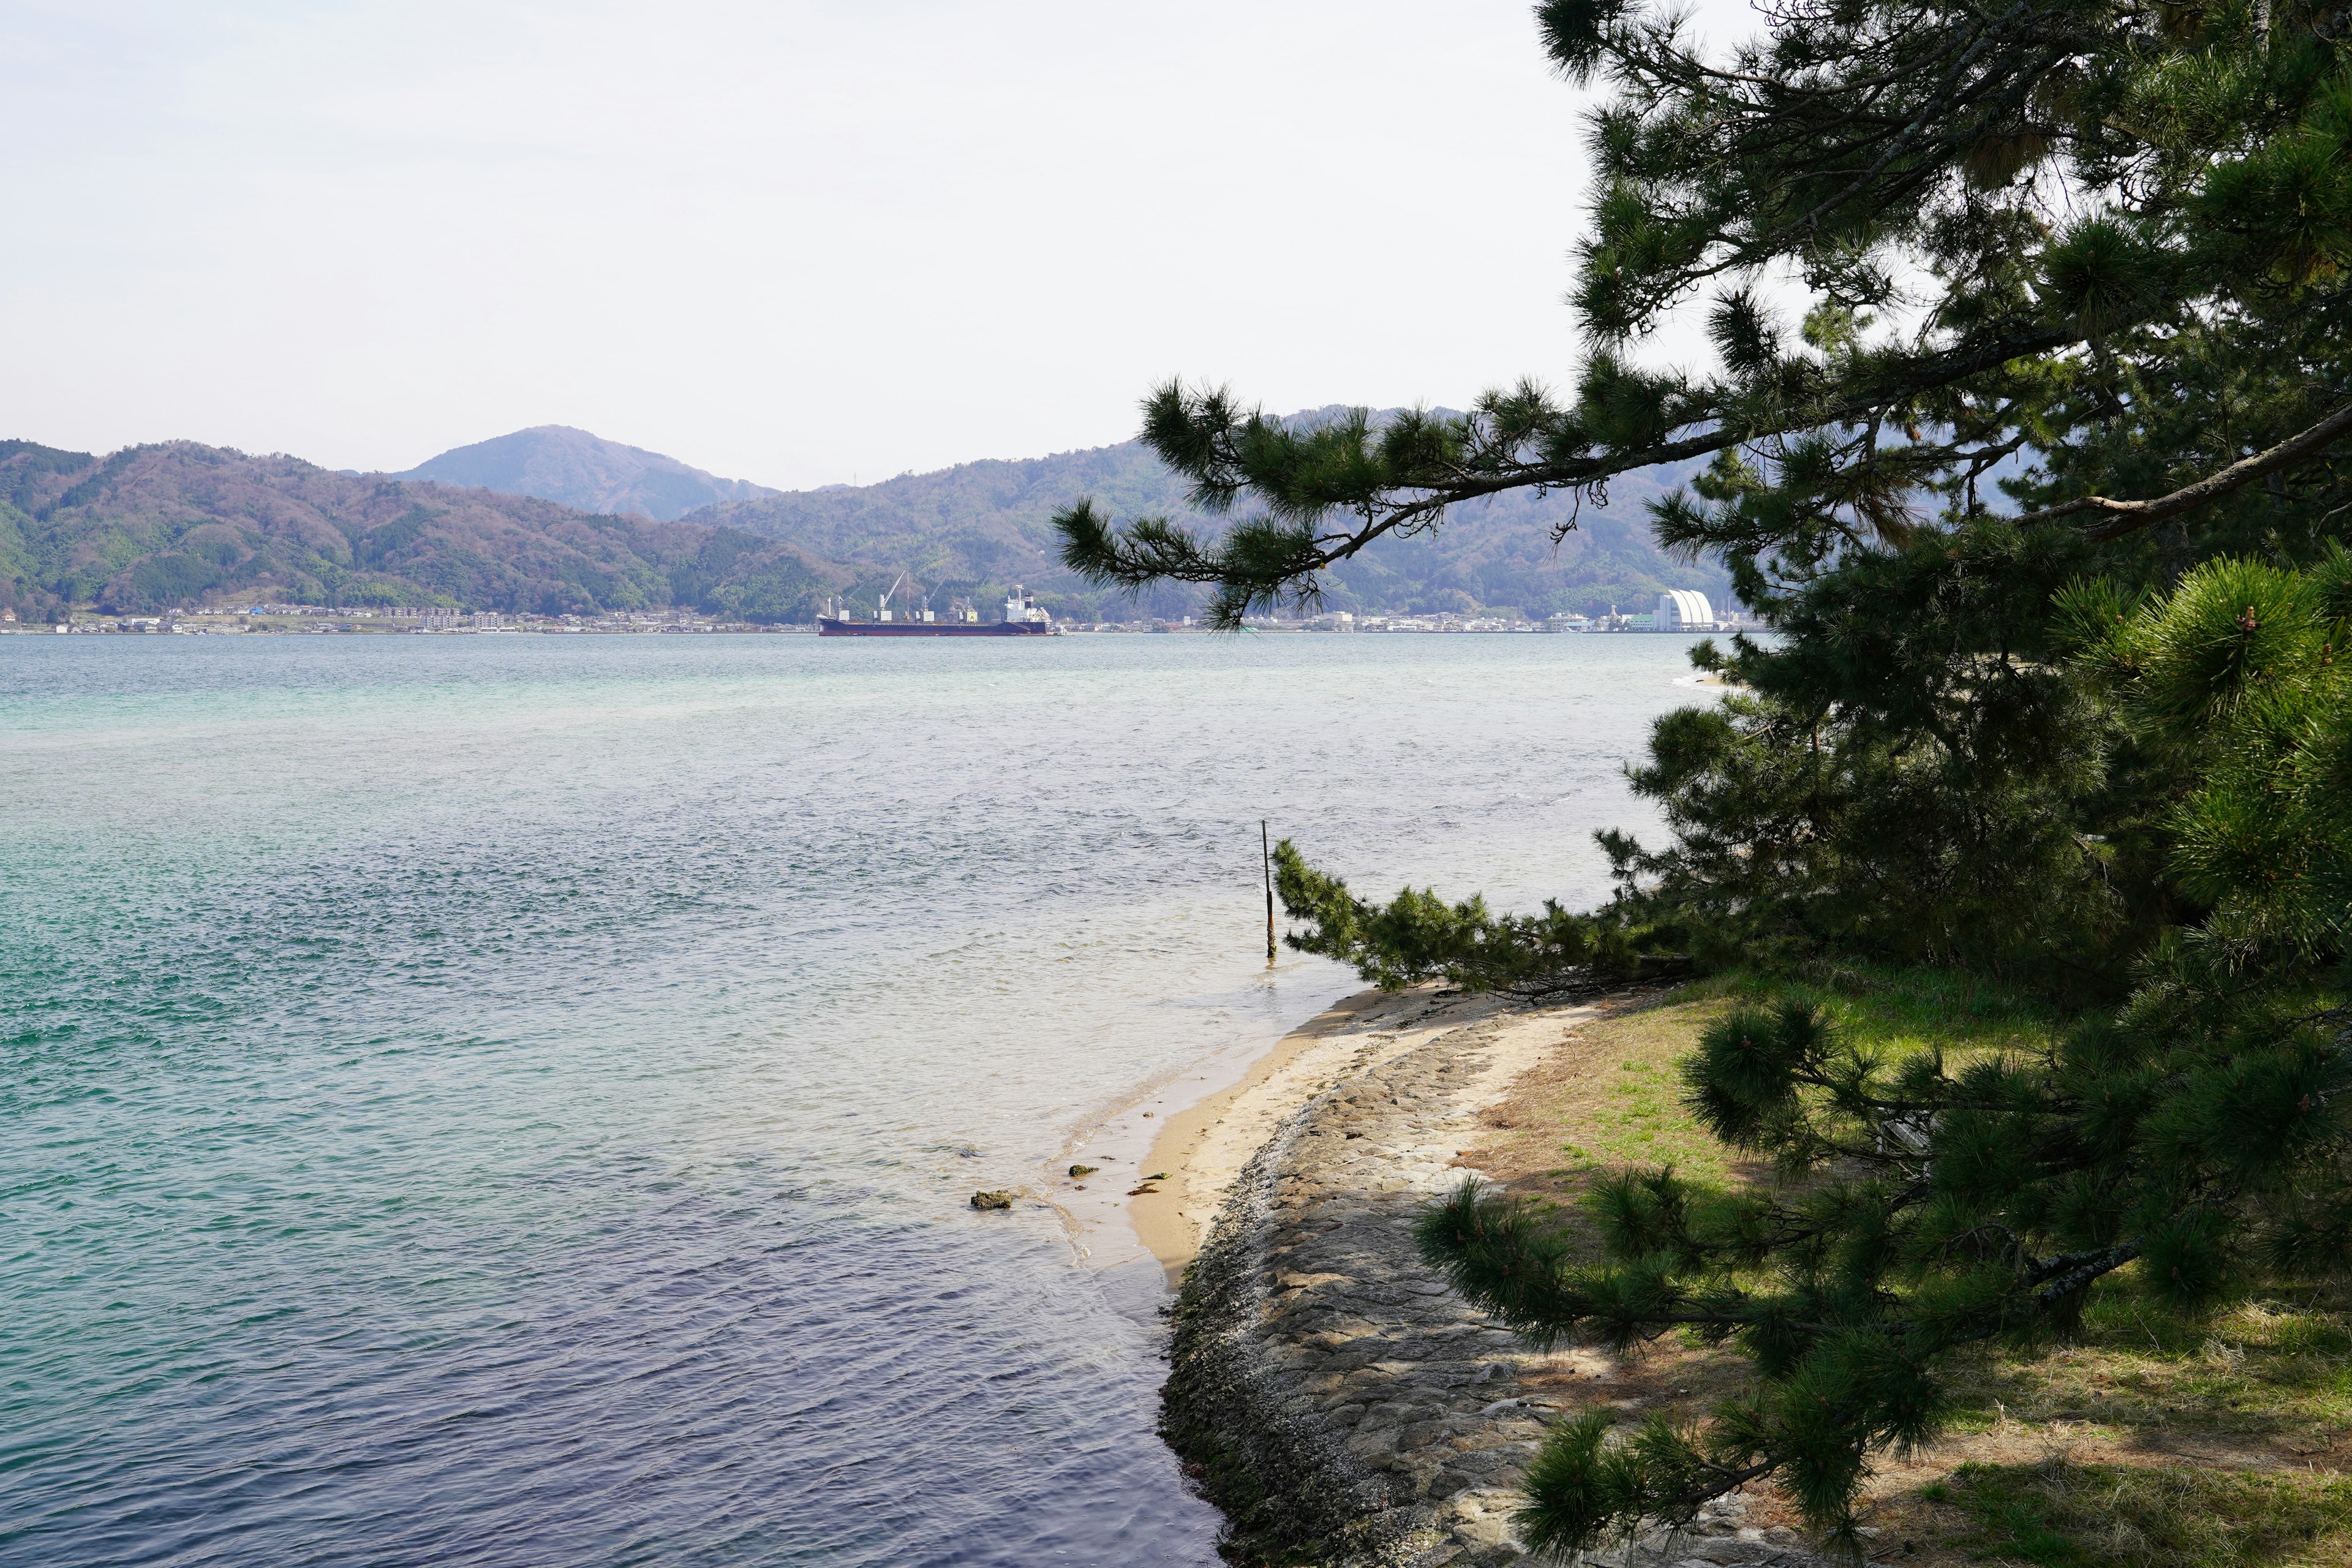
x: 584, y: 472
x: 153, y: 527
x: 985, y: 523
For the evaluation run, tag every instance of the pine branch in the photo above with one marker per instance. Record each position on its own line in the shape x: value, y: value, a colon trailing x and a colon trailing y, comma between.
x: 1265, y: 561
x: 2123, y: 517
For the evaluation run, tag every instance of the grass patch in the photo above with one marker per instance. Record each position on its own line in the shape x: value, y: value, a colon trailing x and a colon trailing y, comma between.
x: 1903, y: 1010
x: 1617, y: 1103
x: 2180, y: 1441
x: 2275, y: 1369
x: 2061, y: 1515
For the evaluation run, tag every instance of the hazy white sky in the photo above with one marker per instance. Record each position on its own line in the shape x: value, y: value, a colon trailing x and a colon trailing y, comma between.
x: 796, y: 241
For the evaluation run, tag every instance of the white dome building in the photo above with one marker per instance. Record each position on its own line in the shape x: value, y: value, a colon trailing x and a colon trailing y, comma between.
x: 1682, y: 610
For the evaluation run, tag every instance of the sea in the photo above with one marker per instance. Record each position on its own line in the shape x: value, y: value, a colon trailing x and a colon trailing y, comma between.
x: 514, y: 1100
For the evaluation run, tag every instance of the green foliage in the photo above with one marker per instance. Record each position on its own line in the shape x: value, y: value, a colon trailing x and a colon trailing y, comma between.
x: 1580, y: 1481
x: 1924, y: 1202
x: 1854, y: 145
x: 378, y: 593
x: 2204, y: 1133
x: 2237, y: 674
x: 157, y: 581
x: 1418, y: 936
x: 386, y: 543
x: 1908, y: 775
x: 746, y: 578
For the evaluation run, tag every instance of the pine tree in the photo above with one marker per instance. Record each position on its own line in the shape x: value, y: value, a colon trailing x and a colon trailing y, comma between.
x: 2029, y: 231
x: 2030, y: 428
x: 1923, y: 1204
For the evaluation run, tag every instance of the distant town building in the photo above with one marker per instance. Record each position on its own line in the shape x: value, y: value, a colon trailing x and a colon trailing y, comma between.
x: 1683, y: 610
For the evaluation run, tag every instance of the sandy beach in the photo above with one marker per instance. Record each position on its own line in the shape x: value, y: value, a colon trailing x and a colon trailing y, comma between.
x: 1164, y: 1164
x: 1204, y: 1146
x: 1322, y: 1381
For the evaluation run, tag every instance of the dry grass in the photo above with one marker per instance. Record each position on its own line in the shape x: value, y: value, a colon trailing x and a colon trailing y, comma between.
x: 1610, y: 1099
x: 2067, y: 1515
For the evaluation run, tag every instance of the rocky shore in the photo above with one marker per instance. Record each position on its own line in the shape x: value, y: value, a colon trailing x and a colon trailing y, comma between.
x: 1327, y: 1390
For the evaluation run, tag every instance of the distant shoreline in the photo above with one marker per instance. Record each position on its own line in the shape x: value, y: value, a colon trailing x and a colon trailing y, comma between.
x: 292, y: 626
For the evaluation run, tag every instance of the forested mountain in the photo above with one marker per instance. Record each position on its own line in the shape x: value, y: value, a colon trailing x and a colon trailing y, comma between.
x: 991, y: 522
x: 153, y: 527
x: 585, y: 472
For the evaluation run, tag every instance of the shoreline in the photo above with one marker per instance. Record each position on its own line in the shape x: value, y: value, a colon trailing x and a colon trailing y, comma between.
x: 1326, y: 1390
x: 1118, y: 1138
x: 1334, y: 1397
x: 1205, y: 1146
x: 1136, y: 1234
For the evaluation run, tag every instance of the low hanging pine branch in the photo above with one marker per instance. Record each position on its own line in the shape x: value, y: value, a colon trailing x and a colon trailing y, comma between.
x: 1418, y: 936
x: 1925, y: 1205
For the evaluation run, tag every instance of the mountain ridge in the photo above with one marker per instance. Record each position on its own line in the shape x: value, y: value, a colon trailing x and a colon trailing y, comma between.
x: 167, y: 523
x: 176, y: 522
x: 585, y: 471
x: 990, y: 520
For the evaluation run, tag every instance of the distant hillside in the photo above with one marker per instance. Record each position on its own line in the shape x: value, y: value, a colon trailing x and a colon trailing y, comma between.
x: 154, y: 527
x: 584, y: 472
x: 990, y: 522
x: 151, y: 527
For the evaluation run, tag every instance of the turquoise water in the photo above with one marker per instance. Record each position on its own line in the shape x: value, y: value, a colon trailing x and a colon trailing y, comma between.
x: 513, y: 1101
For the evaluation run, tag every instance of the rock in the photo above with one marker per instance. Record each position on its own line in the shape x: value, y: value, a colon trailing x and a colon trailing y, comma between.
x: 992, y: 1200
x: 1077, y: 1171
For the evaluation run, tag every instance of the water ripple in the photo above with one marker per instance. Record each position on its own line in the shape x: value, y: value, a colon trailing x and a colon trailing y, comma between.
x: 512, y: 1101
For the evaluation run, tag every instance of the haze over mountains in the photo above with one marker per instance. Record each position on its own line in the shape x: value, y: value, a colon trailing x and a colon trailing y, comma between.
x: 556, y: 520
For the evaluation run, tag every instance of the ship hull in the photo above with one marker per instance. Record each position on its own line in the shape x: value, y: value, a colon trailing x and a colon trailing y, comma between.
x: 826, y: 626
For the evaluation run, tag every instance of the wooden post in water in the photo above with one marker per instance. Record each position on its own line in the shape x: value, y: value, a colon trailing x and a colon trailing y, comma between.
x: 1265, y: 848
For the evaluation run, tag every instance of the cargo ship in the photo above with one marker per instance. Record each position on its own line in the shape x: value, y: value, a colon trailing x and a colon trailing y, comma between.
x: 1024, y: 617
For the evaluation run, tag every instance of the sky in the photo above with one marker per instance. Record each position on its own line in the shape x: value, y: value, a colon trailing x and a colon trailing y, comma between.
x: 800, y: 242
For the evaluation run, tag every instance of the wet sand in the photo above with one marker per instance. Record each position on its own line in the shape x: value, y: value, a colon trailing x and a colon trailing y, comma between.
x: 1204, y: 1146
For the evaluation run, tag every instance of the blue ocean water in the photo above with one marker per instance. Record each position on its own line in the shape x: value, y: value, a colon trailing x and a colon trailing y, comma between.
x: 512, y: 1100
